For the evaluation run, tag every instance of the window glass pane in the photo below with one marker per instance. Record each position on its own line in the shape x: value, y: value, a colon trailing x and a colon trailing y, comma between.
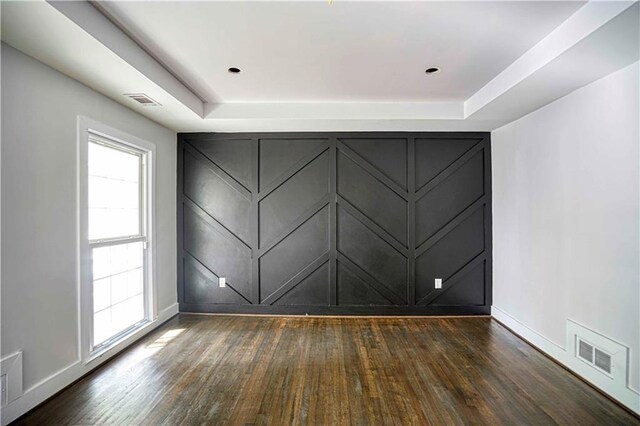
x: 114, y: 192
x: 118, y: 291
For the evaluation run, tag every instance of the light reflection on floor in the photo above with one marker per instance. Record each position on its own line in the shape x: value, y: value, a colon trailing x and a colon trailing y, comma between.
x: 162, y: 341
x: 152, y: 348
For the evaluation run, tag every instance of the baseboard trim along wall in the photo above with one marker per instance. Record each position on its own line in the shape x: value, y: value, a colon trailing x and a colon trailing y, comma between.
x: 626, y: 396
x: 371, y: 311
x: 48, y: 387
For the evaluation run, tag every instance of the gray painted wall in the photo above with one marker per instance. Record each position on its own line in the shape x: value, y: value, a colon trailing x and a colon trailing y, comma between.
x: 39, y: 209
x: 566, y: 214
x: 335, y: 223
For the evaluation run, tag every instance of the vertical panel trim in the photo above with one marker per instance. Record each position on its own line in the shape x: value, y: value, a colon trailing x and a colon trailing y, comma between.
x: 411, y: 222
x: 180, y: 219
x: 488, y: 223
x: 255, y: 221
x: 333, y: 217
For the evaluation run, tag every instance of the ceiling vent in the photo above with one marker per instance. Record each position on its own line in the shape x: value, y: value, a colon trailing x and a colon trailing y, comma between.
x: 142, y: 99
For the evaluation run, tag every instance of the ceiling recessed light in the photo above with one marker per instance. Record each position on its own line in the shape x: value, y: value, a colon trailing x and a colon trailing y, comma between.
x: 234, y: 70
x: 432, y: 70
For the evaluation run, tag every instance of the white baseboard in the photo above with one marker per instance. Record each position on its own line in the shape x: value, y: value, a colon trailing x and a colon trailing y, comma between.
x: 48, y: 387
x: 538, y: 340
x: 625, y: 395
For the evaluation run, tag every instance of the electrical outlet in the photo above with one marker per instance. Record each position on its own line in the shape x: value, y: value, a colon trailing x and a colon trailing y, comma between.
x: 222, y: 282
x: 438, y: 282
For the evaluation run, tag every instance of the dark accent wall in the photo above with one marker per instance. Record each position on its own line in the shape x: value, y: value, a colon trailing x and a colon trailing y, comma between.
x: 335, y: 223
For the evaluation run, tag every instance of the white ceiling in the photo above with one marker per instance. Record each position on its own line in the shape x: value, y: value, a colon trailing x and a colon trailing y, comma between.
x: 339, y: 52
x: 315, y: 66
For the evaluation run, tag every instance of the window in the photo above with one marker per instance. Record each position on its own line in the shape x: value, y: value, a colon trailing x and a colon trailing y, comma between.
x: 115, y: 237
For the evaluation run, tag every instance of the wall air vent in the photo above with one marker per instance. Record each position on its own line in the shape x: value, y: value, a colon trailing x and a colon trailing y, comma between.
x: 594, y: 356
x: 602, y: 361
x: 142, y: 99
x: 585, y: 351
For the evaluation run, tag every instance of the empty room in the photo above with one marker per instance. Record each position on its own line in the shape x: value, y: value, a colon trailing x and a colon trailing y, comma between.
x: 320, y: 212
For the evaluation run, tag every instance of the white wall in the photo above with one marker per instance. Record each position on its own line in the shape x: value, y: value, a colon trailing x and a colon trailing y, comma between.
x: 566, y: 217
x: 39, y: 216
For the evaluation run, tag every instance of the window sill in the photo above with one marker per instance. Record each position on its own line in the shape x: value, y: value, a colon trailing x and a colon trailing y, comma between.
x: 120, y: 343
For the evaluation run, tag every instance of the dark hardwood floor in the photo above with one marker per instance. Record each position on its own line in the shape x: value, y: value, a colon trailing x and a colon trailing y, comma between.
x: 378, y: 371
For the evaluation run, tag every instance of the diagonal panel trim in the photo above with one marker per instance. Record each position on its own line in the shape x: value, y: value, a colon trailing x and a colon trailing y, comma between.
x: 234, y: 163
x: 371, y: 298
x: 191, y: 259
x: 211, y: 221
x: 371, y: 281
x: 295, y: 225
x: 453, y: 279
x: 296, y: 279
x: 373, y: 171
x: 451, y: 225
x: 293, y: 198
x: 373, y: 227
x: 218, y: 171
x: 288, y: 174
x: 449, y: 170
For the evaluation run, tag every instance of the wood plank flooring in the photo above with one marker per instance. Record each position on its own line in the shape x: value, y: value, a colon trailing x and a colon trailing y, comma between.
x: 378, y: 371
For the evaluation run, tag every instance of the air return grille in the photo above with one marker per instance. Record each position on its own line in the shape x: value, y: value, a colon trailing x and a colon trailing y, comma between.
x: 585, y: 351
x: 603, y: 361
x: 142, y: 99
x: 594, y: 356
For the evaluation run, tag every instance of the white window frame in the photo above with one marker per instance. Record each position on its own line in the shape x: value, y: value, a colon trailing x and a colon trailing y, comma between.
x: 89, y: 129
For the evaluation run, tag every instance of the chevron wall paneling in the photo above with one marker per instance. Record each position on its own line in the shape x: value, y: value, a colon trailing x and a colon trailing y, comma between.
x: 335, y: 223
